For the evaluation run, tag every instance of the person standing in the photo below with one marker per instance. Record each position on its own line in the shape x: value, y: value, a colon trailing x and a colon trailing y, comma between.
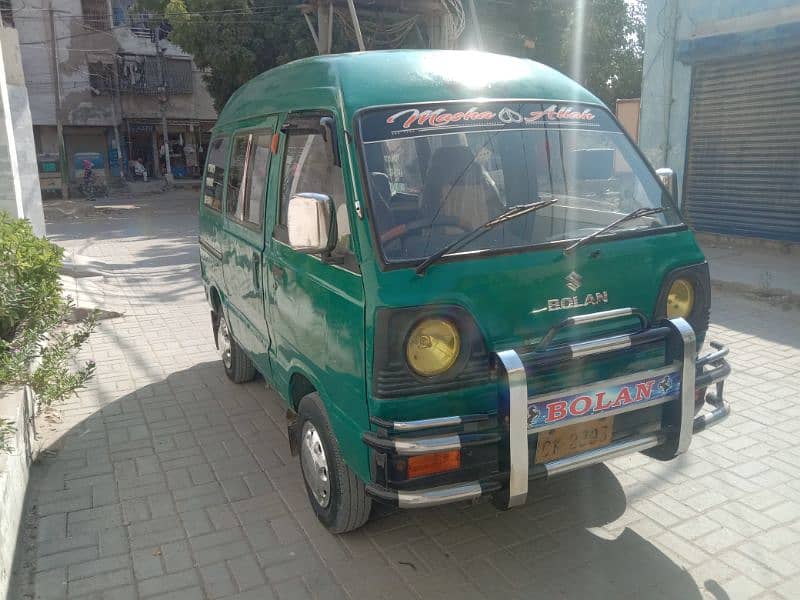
x: 139, y: 169
x: 190, y: 154
x: 88, y: 180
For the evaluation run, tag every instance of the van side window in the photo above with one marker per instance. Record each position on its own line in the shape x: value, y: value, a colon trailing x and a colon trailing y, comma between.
x: 234, y: 198
x: 247, y: 178
x: 308, y: 167
x: 258, y: 170
x: 215, y: 173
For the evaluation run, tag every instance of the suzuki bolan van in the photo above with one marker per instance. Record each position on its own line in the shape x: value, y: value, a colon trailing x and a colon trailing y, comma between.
x: 459, y: 274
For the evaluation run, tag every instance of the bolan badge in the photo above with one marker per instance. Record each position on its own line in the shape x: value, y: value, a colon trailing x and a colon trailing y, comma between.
x: 574, y: 281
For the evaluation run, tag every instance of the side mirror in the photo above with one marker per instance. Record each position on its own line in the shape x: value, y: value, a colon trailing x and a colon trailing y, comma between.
x: 670, y: 181
x: 311, y: 223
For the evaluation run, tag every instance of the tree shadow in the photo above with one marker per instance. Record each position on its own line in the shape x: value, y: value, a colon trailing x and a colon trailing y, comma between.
x: 192, y: 453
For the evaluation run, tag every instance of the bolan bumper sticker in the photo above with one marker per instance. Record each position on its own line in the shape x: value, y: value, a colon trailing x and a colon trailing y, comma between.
x: 603, y: 400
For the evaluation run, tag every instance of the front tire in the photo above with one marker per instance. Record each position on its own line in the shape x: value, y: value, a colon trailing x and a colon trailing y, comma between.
x: 336, y: 494
x: 238, y: 366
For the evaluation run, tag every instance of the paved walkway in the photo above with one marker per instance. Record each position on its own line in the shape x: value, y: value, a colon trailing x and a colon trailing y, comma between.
x: 760, y: 270
x: 163, y: 480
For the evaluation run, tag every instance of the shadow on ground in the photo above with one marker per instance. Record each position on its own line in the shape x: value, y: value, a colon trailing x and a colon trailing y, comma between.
x: 187, y: 484
x: 756, y: 318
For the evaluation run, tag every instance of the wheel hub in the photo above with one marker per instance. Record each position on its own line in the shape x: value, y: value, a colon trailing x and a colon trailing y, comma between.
x: 315, y: 464
x: 224, y: 343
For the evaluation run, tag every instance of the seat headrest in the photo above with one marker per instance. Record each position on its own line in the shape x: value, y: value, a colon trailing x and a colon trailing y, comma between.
x: 381, y: 184
x: 453, y: 165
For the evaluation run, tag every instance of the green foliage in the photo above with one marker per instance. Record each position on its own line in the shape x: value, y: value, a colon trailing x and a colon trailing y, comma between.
x: 232, y: 47
x: 29, y: 282
x: 607, y: 58
x: 36, y: 346
x: 7, y: 429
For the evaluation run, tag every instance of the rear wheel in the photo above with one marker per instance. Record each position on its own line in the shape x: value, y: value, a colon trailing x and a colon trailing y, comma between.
x: 337, y: 495
x: 238, y: 366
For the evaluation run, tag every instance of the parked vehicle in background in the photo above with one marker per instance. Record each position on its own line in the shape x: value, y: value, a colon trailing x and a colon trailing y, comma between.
x: 458, y: 272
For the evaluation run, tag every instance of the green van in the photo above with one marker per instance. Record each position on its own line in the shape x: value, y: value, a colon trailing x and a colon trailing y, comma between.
x: 459, y: 274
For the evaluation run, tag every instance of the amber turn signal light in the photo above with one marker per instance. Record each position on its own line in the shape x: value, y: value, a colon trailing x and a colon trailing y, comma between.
x: 430, y: 464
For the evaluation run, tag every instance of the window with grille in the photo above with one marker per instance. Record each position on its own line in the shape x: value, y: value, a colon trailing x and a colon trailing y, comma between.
x: 6, y: 13
x: 142, y: 75
x: 95, y: 14
x: 101, y: 79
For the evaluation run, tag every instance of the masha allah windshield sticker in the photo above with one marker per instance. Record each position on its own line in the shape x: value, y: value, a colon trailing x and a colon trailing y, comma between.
x: 416, y: 118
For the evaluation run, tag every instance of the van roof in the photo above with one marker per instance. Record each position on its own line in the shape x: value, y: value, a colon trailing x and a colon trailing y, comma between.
x: 358, y: 80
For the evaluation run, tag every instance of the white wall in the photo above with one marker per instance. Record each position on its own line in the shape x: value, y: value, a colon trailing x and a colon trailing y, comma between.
x: 19, y: 174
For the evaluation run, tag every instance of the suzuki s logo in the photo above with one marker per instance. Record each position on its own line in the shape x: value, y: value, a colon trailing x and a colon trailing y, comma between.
x: 574, y: 281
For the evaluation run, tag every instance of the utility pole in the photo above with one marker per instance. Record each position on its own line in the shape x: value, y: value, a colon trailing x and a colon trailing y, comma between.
x: 325, y: 24
x: 356, y: 25
x: 477, y: 24
x: 114, y: 99
x: 62, y: 152
x: 163, y: 99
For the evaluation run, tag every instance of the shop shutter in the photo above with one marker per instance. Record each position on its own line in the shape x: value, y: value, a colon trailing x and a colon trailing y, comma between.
x: 743, y: 152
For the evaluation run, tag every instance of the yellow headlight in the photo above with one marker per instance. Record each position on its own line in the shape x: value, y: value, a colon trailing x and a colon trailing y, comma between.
x: 433, y: 347
x: 680, y: 300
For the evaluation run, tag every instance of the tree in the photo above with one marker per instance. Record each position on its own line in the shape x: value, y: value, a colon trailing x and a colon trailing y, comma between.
x: 606, y: 58
x: 234, y: 40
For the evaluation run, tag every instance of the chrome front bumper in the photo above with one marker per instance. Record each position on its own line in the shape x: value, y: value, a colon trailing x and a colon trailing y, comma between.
x: 696, y: 374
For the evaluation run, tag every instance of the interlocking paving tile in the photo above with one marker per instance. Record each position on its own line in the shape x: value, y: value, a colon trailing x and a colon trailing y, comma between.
x: 164, y: 480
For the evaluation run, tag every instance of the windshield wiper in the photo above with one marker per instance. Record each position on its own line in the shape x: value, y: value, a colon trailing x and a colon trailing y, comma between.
x: 511, y: 213
x: 639, y: 212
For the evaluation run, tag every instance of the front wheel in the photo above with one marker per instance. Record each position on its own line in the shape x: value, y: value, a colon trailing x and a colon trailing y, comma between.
x: 337, y: 495
x: 238, y: 366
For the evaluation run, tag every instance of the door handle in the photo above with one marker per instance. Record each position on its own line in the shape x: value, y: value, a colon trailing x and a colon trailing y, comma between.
x: 256, y: 270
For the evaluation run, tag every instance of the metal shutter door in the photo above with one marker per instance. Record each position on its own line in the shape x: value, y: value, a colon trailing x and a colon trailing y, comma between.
x: 743, y: 157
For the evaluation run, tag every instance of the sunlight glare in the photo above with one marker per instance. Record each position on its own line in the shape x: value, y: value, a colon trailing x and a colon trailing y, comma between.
x: 474, y: 69
x: 576, y: 64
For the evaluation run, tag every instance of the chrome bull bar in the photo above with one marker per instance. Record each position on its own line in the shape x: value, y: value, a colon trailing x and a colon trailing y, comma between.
x: 512, y: 369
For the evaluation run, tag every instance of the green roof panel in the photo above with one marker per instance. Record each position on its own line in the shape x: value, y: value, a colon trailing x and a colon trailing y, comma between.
x: 362, y: 79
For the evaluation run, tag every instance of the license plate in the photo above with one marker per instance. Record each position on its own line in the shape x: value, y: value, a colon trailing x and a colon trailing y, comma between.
x: 574, y: 439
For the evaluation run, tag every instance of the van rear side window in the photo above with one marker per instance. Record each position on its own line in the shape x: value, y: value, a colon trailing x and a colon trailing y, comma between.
x: 215, y: 173
x: 234, y: 202
x: 247, y: 178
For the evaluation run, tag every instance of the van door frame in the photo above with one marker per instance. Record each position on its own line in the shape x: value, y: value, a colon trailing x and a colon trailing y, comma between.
x: 331, y: 300
x: 254, y: 337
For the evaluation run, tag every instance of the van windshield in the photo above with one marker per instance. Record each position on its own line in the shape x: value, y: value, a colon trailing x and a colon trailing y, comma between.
x: 437, y: 171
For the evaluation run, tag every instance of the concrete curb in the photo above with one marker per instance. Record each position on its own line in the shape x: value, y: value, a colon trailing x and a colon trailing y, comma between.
x: 775, y: 295
x: 17, y: 405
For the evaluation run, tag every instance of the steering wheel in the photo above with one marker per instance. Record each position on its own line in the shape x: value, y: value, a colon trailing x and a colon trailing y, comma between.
x: 405, y: 229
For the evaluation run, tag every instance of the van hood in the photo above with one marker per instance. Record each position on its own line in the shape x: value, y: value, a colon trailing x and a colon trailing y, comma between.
x: 516, y: 298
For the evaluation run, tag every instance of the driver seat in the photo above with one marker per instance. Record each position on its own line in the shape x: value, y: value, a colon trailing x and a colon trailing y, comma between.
x: 457, y: 189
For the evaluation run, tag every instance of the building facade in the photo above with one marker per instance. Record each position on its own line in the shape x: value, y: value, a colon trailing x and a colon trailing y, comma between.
x: 98, y: 73
x: 19, y: 182
x: 721, y: 106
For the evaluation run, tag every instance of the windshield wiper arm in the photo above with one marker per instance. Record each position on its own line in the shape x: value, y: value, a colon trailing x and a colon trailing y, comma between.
x: 639, y: 212
x: 511, y: 213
